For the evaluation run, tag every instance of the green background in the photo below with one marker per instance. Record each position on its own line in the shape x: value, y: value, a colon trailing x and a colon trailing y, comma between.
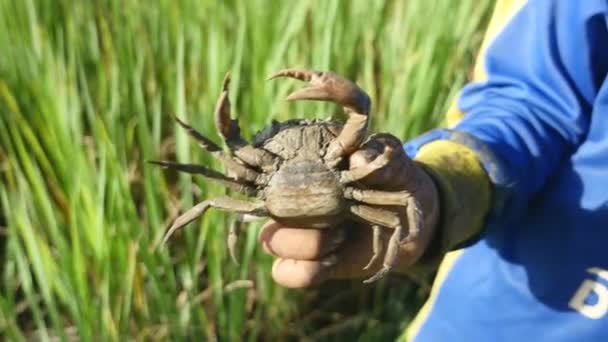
x: 87, y: 89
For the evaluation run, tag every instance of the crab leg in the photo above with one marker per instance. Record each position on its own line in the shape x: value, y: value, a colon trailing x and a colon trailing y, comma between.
x: 327, y: 86
x: 209, y: 174
x: 203, y: 141
x: 400, y: 236
x: 231, y: 133
x: 403, y: 198
x: 379, y: 216
x: 240, y: 171
x: 233, y: 236
x: 222, y: 203
x: 376, y: 246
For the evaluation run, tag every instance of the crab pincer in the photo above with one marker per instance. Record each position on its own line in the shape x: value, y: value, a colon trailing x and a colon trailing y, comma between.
x: 327, y: 86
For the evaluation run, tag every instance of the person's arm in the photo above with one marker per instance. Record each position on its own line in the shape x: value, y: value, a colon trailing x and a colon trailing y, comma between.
x: 533, y: 109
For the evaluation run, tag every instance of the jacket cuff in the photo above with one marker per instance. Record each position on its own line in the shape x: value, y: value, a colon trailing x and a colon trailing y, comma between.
x: 493, y: 166
x: 464, y: 190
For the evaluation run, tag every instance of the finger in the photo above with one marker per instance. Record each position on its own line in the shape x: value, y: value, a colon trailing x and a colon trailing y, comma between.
x: 395, y: 175
x: 363, y: 156
x: 354, y: 255
x: 299, y: 243
x: 302, y: 273
x: 346, y: 262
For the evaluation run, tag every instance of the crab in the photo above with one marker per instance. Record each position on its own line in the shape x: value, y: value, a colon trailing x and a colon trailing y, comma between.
x: 297, y: 171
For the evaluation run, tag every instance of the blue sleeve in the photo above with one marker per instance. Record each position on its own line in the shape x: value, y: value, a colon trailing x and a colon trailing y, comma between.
x: 544, y: 70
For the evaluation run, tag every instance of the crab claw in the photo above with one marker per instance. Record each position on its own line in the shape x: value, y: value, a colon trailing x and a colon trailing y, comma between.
x: 222, y: 109
x: 300, y: 74
x: 227, y: 127
x: 327, y: 86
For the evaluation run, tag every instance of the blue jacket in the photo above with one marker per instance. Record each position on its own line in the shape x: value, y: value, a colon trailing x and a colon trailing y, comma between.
x: 540, y: 270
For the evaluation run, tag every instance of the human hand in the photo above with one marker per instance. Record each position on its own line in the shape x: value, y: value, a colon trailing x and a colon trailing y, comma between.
x: 306, y: 256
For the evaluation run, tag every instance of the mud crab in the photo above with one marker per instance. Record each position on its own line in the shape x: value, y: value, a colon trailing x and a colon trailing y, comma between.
x: 297, y: 172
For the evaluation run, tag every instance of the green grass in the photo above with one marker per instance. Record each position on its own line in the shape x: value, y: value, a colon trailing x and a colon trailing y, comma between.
x: 86, y: 93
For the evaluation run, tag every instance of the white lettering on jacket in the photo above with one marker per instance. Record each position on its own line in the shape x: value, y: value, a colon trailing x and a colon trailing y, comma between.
x: 594, y: 307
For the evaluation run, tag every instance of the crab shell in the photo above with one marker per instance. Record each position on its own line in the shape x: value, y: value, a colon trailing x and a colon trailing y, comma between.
x: 304, y: 191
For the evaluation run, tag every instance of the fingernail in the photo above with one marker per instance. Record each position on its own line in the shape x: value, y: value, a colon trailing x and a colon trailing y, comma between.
x: 329, y: 261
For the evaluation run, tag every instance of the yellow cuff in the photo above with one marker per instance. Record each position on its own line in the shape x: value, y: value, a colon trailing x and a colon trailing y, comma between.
x: 464, y: 191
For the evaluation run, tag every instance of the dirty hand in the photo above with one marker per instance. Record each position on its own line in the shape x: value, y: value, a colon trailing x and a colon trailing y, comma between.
x: 306, y: 256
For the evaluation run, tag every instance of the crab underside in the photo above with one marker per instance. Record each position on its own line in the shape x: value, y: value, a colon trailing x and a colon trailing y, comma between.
x: 296, y: 172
